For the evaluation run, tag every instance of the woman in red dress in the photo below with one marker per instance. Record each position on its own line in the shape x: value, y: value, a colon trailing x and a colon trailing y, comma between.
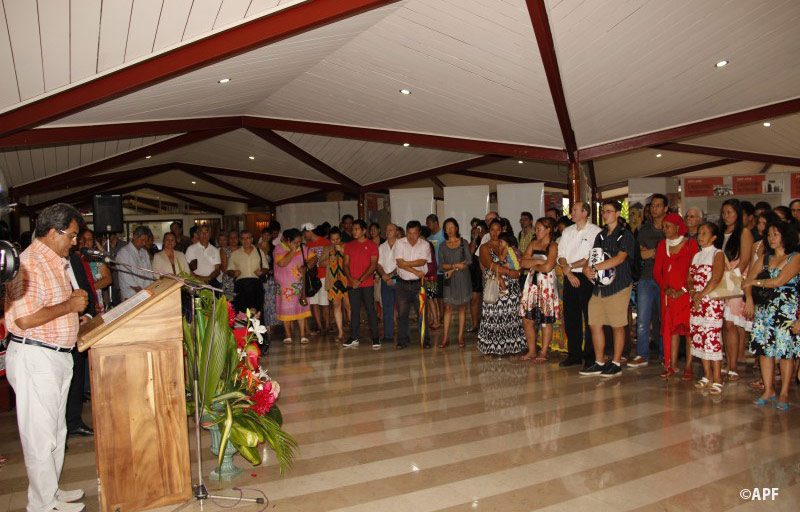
x: 673, y: 258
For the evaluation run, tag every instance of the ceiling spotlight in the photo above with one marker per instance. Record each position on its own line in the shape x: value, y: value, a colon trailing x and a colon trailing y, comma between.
x: 149, y: 156
x: 406, y: 144
x: 520, y: 161
x: 251, y: 157
x: 721, y: 64
x: 658, y: 155
x: 224, y: 81
x: 767, y: 124
x: 405, y: 91
x: 194, y: 183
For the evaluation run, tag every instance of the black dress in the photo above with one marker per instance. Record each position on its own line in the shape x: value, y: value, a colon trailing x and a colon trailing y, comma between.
x: 501, y: 329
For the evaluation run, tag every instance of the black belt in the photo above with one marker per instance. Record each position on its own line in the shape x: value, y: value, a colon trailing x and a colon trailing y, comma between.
x: 408, y: 280
x: 37, y: 343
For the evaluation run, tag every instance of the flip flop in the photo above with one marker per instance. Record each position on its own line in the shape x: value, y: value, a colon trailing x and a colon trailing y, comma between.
x: 757, y: 385
x: 687, y: 375
x: 287, y: 341
x: 764, y: 401
x: 782, y: 406
x: 702, y: 383
x: 716, y: 389
x: 526, y: 357
x: 304, y: 341
x: 733, y: 376
x: 540, y: 360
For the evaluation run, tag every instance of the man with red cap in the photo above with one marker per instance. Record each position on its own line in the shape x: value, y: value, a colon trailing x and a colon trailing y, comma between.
x: 673, y: 257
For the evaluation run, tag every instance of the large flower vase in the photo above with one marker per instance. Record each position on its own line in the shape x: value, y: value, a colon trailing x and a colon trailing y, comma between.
x: 228, y: 471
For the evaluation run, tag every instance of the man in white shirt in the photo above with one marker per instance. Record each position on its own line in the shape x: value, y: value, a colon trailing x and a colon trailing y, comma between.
x: 573, y: 253
x: 387, y: 269
x: 489, y: 218
x: 412, y: 255
x: 203, y: 258
x: 134, y: 253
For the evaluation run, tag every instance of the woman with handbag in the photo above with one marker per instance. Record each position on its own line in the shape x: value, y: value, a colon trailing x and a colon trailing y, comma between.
x: 454, y: 260
x: 737, y: 244
x: 705, y: 319
x: 771, y: 298
x: 289, y: 274
x: 671, y: 270
x: 539, y: 305
x: 500, y: 331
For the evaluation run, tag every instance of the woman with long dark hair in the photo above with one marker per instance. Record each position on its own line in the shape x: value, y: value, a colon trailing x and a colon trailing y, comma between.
x: 737, y: 245
x: 454, y: 260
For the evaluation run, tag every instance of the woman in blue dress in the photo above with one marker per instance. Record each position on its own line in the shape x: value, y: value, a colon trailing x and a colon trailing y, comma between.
x: 772, y: 338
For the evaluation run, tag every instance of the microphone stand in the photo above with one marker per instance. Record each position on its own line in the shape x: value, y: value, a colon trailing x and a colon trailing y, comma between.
x: 200, y: 490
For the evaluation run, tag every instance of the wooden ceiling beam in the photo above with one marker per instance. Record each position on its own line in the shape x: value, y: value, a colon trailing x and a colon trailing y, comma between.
x: 200, y: 193
x: 765, y: 169
x: 300, y: 197
x: 300, y: 154
x: 429, y: 173
x: 239, y: 39
x: 196, y: 172
x: 730, y: 153
x: 692, y: 129
x: 74, y: 198
x: 180, y: 196
x: 75, y: 175
x: 112, y: 131
x: 672, y: 172
x: 415, y: 139
x: 258, y: 176
x: 537, y: 10
x: 436, y: 181
x: 509, y: 178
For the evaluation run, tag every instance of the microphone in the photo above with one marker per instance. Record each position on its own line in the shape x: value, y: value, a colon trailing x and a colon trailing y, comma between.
x: 102, y: 255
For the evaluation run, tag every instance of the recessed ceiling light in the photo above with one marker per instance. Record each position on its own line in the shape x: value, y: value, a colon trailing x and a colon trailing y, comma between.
x: 659, y: 155
x: 149, y: 156
x: 520, y: 161
x: 194, y: 183
x: 251, y: 157
x: 405, y: 91
x: 721, y: 64
x: 224, y: 81
x: 767, y: 124
x: 406, y: 144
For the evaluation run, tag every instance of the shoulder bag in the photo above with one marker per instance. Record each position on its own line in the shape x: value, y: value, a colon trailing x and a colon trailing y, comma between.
x: 763, y: 295
x: 730, y: 286
x: 311, y: 281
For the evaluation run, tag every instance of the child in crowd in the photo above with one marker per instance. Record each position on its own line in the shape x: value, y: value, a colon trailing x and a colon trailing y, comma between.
x: 508, y: 243
x: 705, y: 320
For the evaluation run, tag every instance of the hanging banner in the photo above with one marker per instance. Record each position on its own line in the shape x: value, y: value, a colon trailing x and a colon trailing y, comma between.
x: 703, y: 187
x: 795, y: 180
x: 746, y: 185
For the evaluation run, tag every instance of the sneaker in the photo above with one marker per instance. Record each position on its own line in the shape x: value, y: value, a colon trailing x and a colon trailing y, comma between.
x: 63, y: 506
x: 592, y: 369
x: 638, y: 362
x: 351, y: 342
x: 376, y: 345
x: 611, y: 370
x: 69, y: 496
x: 401, y: 345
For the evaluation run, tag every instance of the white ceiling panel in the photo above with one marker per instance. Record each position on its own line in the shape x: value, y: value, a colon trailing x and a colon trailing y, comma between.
x: 23, y: 27
x: 268, y: 190
x: 172, y: 24
x: 642, y: 162
x: 527, y: 169
x: 9, y: 91
x: 54, y: 32
x: 23, y: 165
x: 368, y: 162
x: 114, y: 24
x: 143, y: 26
x: 639, y: 66
x: 47, y: 196
x: 253, y: 75
x: 473, y: 68
x: 84, y: 24
x: 231, y: 11
x: 202, y: 17
x: 780, y: 138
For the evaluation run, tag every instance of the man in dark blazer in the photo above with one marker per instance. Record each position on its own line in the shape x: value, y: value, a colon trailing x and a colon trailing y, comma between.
x: 75, y: 424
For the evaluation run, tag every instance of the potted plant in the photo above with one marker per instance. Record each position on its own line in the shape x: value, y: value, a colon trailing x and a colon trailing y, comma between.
x: 237, y: 396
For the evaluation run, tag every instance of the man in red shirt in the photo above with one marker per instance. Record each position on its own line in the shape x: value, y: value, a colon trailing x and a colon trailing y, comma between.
x: 319, y: 302
x: 360, y: 262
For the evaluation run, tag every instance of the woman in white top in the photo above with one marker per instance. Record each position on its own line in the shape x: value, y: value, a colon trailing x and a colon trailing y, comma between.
x: 170, y: 260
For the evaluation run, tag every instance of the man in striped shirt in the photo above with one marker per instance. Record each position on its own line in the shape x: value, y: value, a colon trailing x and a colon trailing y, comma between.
x: 42, y: 321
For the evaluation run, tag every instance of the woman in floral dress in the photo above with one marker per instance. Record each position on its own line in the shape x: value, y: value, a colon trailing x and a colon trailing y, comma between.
x: 289, y: 273
x: 336, y: 280
x: 773, y: 338
x: 539, y: 305
x: 705, y: 319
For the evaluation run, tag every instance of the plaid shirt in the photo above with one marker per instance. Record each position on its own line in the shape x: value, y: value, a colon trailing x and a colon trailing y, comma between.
x: 42, y: 282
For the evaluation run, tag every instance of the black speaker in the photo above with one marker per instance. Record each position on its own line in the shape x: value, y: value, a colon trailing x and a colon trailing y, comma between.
x: 107, y: 214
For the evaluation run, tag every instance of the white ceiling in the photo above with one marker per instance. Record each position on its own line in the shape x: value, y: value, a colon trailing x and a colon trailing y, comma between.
x: 473, y: 67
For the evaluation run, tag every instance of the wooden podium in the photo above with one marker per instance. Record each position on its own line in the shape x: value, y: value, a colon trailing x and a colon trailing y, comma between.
x: 139, y: 402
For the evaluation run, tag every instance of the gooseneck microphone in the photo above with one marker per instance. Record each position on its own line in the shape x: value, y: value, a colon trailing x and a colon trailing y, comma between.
x: 101, y: 255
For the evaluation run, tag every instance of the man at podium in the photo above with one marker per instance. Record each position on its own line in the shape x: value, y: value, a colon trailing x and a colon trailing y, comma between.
x: 42, y: 320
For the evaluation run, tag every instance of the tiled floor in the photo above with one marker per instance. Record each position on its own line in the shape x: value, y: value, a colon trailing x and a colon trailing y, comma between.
x: 448, y: 430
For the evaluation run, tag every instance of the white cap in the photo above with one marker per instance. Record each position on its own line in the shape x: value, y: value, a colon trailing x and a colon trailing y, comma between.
x: 307, y: 227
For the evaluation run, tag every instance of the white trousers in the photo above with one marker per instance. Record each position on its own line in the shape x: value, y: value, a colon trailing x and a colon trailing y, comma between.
x: 40, y: 378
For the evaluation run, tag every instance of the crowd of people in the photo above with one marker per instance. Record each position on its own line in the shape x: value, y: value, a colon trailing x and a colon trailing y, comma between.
x: 716, y: 290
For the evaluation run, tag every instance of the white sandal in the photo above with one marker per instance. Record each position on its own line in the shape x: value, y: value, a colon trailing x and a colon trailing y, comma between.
x: 702, y: 383
x: 287, y: 341
x: 305, y: 341
x: 716, y: 389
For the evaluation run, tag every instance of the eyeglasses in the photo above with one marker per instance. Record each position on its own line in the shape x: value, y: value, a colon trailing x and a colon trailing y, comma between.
x: 73, y: 236
x: 609, y: 211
